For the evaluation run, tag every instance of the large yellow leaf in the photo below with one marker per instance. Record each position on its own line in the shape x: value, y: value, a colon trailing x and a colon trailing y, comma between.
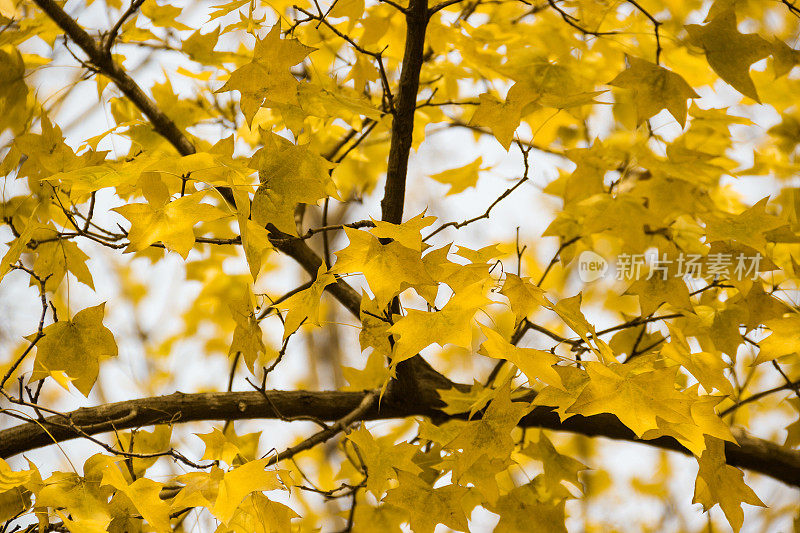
x: 75, y: 347
x: 720, y: 483
x: 427, y: 506
x: 167, y: 221
x: 729, y: 52
x: 655, y: 88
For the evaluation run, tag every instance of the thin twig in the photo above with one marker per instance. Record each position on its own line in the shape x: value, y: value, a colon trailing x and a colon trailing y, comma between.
x: 326, y: 434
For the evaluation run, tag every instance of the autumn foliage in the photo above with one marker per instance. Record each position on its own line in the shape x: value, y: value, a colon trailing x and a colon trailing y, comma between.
x: 371, y: 266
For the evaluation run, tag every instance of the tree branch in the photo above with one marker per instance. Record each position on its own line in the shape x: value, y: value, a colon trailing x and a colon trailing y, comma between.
x: 752, y: 453
x: 326, y: 434
x: 406, y: 104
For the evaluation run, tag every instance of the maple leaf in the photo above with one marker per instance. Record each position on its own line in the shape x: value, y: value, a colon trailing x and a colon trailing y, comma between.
x: 702, y: 421
x: 229, y: 447
x: 523, y: 295
x: 502, y: 117
x: 557, y: 467
x: 461, y: 178
x: 163, y: 220
x: 84, y: 500
x: 636, y: 399
x: 267, y: 75
x: 526, y: 505
x: 304, y: 305
x: 407, y: 233
x: 383, y: 458
x: 451, y: 325
x: 729, y: 52
x: 289, y: 175
x: 389, y: 268
x: 491, y: 434
x: 457, y: 276
x: 374, y: 331
x: 720, y: 483
x: 243, y: 480
x: 707, y: 368
x: 75, y: 347
x: 655, y: 88
x: 145, y: 442
x: 56, y: 257
x: 783, y: 340
x: 656, y: 290
x: 258, y: 514
x: 427, y: 506
x: 15, y: 498
x: 199, y: 489
x: 569, y: 309
x: 18, y: 246
x: 247, y: 336
x: 536, y: 364
x: 748, y: 227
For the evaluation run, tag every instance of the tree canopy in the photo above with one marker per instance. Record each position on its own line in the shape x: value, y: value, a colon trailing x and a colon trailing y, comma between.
x: 356, y: 266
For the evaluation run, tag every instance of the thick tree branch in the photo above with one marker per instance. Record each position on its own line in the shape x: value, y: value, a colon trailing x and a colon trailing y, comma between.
x: 406, y: 104
x: 298, y: 250
x: 753, y: 454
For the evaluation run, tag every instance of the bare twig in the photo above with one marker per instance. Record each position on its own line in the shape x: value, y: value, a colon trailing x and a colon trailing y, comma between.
x: 326, y: 434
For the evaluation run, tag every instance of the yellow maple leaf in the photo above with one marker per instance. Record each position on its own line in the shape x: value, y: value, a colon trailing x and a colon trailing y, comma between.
x: 729, y: 52
x: 408, y: 233
x: 389, y: 268
x: 427, y: 506
x: 720, y: 483
x: 491, y: 434
x: 655, y: 88
x: 556, y: 466
x: 502, y: 117
x: 748, y: 227
x: 381, y: 456
x: 636, y: 399
x: 243, y: 480
x: 160, y: 219
x: 451, y: 325
x: 527, y: 505
x: 267, y: 75
x: 258, y: 514
x: 304, y: 305
x: 524, y: 296
x: 228, y: 445
x: 784, y: 339
x: 289, y: 175
x: 247, y: 336
x: 536, y: 364
x: 461, y: 178
x: 75, y: 346
x: 18, y: 246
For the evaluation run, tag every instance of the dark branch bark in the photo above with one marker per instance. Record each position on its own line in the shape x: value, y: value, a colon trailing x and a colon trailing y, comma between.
x: 753, y: 454
x: 298, y: 250
x: 406, y: 103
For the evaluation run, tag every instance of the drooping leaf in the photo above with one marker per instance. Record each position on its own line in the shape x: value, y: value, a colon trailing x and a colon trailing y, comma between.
x: 729, y: 52
x: 655, y: 88
x: 76, y: 347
